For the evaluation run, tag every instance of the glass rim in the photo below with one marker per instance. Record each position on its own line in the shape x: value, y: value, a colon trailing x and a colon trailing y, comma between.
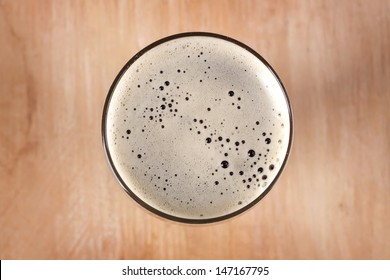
x: 128, y: 190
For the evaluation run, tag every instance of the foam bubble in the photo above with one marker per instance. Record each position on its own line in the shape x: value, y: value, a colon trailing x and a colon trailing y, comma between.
x: 191, y: 122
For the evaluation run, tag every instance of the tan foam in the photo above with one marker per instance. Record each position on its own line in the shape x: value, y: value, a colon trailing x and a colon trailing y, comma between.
x: 214, y: 68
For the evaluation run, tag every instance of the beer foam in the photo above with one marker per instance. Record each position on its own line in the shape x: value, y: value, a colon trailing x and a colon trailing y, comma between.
x: 197, y: 128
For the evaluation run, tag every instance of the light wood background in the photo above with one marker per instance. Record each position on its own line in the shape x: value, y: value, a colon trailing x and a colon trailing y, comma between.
x: 58, y: 198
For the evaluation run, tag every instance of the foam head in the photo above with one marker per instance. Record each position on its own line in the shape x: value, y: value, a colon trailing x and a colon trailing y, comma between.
x: 197, y: 127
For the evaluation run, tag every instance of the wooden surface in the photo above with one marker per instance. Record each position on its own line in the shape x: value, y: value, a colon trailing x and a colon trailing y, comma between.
x: 58, y: 198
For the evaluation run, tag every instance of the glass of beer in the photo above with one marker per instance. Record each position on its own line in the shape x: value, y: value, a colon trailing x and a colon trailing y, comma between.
x: 197, y: 127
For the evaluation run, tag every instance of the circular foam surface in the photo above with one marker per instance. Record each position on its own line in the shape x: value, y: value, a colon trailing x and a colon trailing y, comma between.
x: 197, y: 127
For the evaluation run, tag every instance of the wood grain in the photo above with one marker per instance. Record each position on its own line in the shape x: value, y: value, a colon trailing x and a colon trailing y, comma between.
x: 58, y: 198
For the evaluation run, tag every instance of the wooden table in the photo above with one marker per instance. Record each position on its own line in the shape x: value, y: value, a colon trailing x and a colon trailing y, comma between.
x: 58, y: 197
